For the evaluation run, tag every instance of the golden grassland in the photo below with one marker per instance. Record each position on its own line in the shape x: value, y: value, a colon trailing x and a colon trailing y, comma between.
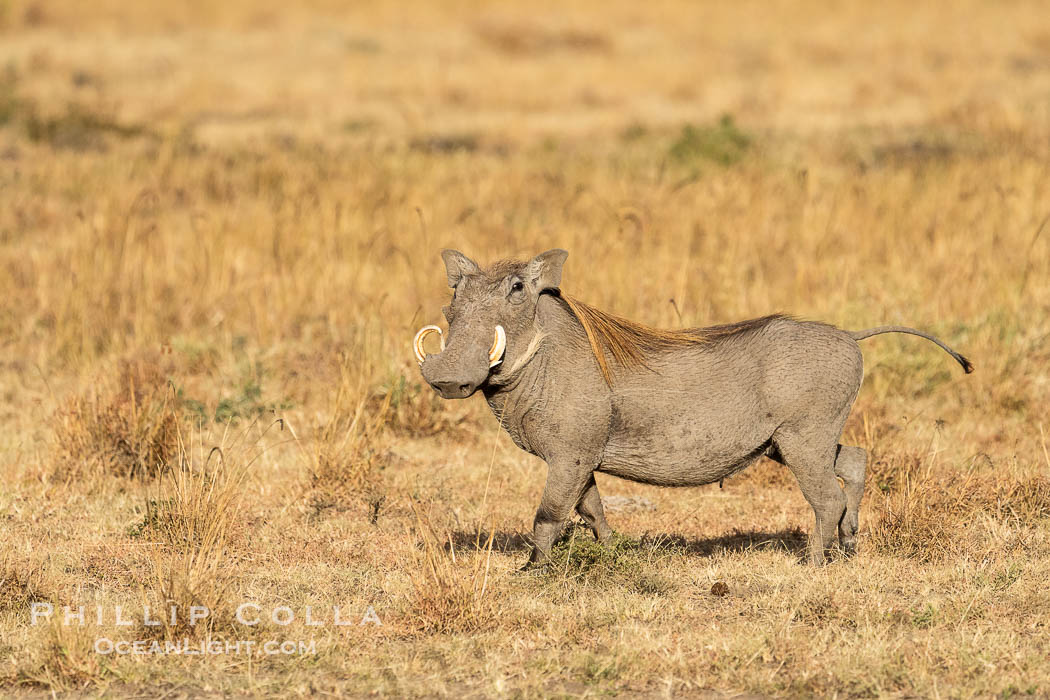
x: 219, y: 226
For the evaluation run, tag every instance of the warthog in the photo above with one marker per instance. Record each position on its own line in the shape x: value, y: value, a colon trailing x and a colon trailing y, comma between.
x: 589, y: 392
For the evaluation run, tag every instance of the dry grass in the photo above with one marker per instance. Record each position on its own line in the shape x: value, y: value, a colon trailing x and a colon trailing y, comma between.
x: 125, y: 427
x: 349, y: 451
x: 449, y: 595
x: 192, y: 257
x: 927, y: 514
x: 195, y: 521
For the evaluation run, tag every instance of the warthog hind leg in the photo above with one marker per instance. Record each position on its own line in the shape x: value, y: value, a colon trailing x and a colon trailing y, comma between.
x: 814, y: 467
x: 590, y: 509
x: 850, y: 464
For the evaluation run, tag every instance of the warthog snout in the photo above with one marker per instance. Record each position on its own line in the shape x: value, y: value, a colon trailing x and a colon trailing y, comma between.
x: 452, y: 389
x: 457, y: 371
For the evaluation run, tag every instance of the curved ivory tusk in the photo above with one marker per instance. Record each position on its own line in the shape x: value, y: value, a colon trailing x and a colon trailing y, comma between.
x: 499, y: 345
x: 421, y: 336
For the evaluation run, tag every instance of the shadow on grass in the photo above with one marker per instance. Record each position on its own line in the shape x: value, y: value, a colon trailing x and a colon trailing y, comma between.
x: 790, y: 540
x: 505, y: 542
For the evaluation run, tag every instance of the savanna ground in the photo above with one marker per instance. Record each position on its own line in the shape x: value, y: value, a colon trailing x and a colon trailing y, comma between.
x: 219, y: 226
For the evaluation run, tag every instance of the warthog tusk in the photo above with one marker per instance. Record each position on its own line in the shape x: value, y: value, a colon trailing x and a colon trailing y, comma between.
x: 421, y: 336
x: 499, y: 345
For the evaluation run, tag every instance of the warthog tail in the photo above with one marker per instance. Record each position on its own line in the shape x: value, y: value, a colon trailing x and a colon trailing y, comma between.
x: 867, y: 333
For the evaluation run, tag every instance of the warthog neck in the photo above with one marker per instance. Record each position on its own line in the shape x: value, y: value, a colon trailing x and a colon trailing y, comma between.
x: 521, y: 396
x: 558, y: 393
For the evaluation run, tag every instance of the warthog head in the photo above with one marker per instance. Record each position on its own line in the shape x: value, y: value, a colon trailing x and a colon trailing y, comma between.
x: 491, y: 321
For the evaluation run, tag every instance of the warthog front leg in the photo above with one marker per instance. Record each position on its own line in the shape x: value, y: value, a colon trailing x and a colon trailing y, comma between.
x: 590, y: 509
x: 850, y: 466
x: 564, y: 490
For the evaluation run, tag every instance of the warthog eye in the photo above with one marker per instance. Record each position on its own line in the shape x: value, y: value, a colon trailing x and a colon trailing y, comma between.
x: 515, y: 295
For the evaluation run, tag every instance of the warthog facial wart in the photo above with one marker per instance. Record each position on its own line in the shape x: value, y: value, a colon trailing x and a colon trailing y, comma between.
x: 590, y: 392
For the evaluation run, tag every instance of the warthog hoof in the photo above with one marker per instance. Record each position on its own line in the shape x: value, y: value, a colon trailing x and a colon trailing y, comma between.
x: 535, y: 568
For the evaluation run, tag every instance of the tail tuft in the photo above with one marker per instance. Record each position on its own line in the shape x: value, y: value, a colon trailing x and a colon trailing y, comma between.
x: 966, y: 364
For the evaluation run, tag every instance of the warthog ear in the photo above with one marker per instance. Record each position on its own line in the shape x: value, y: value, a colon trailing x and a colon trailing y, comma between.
x: 544, y: 271
x: 457, y: 265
